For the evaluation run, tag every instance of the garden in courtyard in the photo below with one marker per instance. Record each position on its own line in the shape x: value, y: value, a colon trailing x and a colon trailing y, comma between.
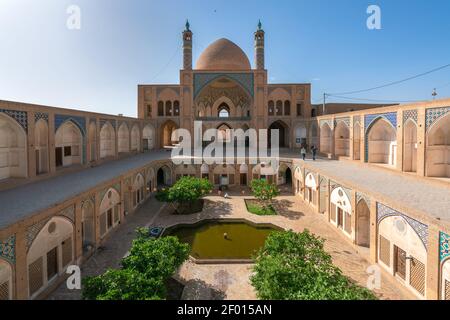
x: 285, y: 265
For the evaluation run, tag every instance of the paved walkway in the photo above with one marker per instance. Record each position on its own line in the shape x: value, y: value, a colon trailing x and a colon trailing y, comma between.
x: 424, y: 195
x: 23, y: 201
x: 231, y: 281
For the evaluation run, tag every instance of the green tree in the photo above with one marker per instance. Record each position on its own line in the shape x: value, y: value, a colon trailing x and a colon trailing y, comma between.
x: 186, y: 193
x: 264, y: 191
x: 145, y: 271
x: 294, y: 266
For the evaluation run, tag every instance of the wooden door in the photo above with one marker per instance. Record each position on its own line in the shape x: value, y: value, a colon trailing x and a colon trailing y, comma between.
x: 400, y: 262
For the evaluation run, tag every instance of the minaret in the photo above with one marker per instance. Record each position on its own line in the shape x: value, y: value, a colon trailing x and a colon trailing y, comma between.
x: 259, y: 47
x: 187, y: 47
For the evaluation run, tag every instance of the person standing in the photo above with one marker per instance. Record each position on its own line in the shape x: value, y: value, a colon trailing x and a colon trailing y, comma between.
x: 314, y: 152
x: 303, y: 153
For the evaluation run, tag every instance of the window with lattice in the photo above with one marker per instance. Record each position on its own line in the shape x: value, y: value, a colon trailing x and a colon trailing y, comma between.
x: 447, y: 290
x: 385, y: 251
x: 35, y: 277
x: 4, y: 291
x: 417, y: 275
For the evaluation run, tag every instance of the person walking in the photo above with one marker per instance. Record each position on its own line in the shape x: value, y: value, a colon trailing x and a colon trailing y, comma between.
x: 303, y: 153
x: 314, y: 152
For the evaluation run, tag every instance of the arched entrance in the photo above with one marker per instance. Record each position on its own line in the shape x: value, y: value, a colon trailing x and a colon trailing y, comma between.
x: 410, y: 147
x: 325, y: 138
x: 138, y: 190
x: 41, y: 146
x: 283, y: 132
x: 87, y: 225
x: 50, y: 254
x: 13, y: 154
x: 362, y: 224
x: 223, y: 111
x: 148, y: 137
x: 311, y: 189
x: 342, y: 139
x: 438, y: 149
x: 382, y: 143
x: 167, y: 130
x: 164, y: 177
x: 107, y: 141
x: 68, y: 145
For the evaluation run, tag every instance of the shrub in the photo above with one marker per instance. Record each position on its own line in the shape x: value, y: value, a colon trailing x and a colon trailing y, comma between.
x: 264, y: 191
x: 145, y: 271
x: 294, y: 266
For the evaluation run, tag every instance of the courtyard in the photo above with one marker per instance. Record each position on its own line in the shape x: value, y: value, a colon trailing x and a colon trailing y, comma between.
x: 231, y: 281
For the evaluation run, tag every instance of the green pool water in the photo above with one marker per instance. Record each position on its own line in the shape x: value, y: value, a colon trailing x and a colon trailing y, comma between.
x: 207, y: 239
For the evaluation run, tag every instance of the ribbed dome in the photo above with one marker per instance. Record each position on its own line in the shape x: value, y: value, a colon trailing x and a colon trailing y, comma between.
x: 223, y: 54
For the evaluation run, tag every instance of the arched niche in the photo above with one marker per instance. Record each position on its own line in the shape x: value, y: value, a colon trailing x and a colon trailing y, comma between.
x: 13, y: 154
x: 382, y: 142
x: 325, y: 138
x: 311, y: 189
x: 51, y: 252
x: 88, y: 225
x: 107, y: 141
x: 283, y: 134
x: 164, y: 176
x: 138, y: 190
x: 341, y: 210
x: 410, y: 146
x: 224, y: 175
x: 438, y: 148
x: 109, y: 210
x: 68, y: 145
x: 167, y: 130
x: 135, y: 138
x: 123, y: 139
x: 363, y: 224
x: 148, y: 137
x: 342, y: 139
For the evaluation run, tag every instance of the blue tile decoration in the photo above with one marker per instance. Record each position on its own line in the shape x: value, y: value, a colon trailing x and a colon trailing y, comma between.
x: 410, y: 114
x: 345, y: 120
x: 369, y: 120
x: 20, y: 116
x: 444, y: 246
x: 329, y: 122
x: 80, y: 122
x: 432, y: 115
x: 40, y: 115
x: 8, y: 249
x: 203, y: 79
x: 420, y: 228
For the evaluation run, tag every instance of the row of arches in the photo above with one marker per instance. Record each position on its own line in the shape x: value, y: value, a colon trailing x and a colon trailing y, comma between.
x: 279, y: 108
x: 69, y: 147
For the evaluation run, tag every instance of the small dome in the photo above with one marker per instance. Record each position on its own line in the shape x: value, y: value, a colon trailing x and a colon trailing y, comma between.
x: 223, y: 54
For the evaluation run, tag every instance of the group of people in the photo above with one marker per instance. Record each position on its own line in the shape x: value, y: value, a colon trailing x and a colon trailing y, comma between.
x: 313, y: 151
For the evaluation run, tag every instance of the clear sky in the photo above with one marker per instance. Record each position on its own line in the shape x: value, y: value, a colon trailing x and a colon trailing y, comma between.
x: 123, y: 43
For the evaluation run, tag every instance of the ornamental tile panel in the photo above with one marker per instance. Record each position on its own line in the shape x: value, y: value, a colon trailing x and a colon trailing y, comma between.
x: 360, y: 196
x: 444, y: 246
x: 33, y: 231
x: 432, y: 115
x: 327, y: 121
x: 40, y: 115
x: 391, y: 117
x: 8, y: 249
x: 79, y: 121
x: 20, y: 116
x: 420, y: 228
x: 344, y: 120
x: 410, y: 114
x: 203, y: 79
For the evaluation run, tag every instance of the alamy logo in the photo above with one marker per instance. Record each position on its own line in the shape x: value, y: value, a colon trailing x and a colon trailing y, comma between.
x: 74, y: 20
x: 374, y: 20
x: 73, y: 282
x: 230, y: 146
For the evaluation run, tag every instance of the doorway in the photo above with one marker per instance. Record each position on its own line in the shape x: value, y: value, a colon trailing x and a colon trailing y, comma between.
x: 59, y: 157
x: 399, y: 262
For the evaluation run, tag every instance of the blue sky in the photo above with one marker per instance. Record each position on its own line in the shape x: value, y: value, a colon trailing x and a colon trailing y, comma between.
x: 125, y: 43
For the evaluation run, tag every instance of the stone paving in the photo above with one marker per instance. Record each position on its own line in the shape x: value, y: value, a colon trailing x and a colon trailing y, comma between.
x: 231, y: 281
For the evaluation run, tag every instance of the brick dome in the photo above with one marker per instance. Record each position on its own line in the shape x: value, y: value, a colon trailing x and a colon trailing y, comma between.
x: 223, y: 54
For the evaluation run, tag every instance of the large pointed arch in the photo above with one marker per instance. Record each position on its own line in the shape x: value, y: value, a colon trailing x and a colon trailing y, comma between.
x: 410, y: 146
x: 342, y: 139
x: 13, y: 149
x: 381, y: 142
x: 107, y: 141
x: 68, y: 144
x: 123, y: 140
x: 437, y: 157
